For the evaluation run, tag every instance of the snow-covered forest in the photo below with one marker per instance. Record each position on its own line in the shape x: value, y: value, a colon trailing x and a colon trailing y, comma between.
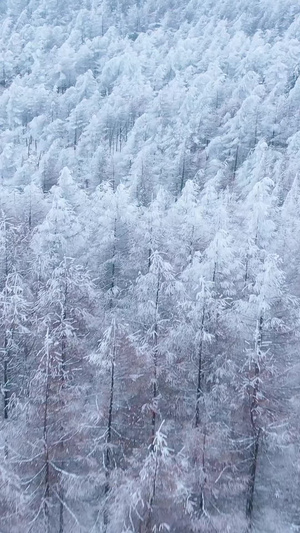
x: 149, y: 266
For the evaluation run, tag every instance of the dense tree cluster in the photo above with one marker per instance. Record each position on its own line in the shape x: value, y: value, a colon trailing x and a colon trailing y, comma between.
x: 149, y: 266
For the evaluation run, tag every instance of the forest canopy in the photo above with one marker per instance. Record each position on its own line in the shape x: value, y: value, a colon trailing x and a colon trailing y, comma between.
x: 149, y: 266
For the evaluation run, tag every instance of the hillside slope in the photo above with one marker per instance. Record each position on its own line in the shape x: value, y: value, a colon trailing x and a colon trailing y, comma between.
x: 149, y: 266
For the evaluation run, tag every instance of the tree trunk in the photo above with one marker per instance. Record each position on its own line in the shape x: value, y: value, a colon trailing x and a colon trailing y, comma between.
x: 6, y: 392
x: 235, y: 165
x: 201, y: 499
x: 61, y: 509
x: 107, y: 453
x: 62, y: 377
x: 252, y: 480
x: 255, y: 429
x: 155, y: 363
x: 182, y: 181
x: 46, y: 445
x: 199, y: 393
x: 148, y: 523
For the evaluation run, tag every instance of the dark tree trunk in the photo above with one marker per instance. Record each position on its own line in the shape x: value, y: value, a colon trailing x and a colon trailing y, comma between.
x: 108, y: 462
x: 148, y: 523
x: 155, y: 363
x: 252, y: 478
x: 63, y: 377
x: 235, y: 165
x: 255, y: 428
x: 6, y: 391
x: 199, y: 392
x: 199, y: 396
x: 107, y: 453
x: 46, y: 446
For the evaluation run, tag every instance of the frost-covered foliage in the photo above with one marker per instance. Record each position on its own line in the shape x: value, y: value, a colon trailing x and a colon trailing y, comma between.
x: 149, y: 266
